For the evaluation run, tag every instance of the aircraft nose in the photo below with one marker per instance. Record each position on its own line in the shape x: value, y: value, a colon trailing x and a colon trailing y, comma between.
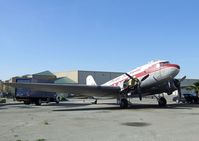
x: 169, y: 71
x: 174, y: 68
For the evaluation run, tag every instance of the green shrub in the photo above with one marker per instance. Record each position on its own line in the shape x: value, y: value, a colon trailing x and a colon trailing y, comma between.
x: 2, y: 100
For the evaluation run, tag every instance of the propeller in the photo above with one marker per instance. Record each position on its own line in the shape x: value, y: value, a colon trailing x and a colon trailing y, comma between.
x: 144, y: 78
x: 139, y: 84
x: 178, y: 86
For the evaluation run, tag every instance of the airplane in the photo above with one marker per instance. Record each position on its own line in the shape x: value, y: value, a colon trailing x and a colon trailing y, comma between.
x: 153, y: 78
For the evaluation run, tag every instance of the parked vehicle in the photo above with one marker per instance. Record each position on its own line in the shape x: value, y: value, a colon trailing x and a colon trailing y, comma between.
x: 34, y: 97
x: 187, y: 98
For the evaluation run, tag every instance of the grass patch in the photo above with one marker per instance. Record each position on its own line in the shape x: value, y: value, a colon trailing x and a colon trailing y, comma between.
x: 46, y: 123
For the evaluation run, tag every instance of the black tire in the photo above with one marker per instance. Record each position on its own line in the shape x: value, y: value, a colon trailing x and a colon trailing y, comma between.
x: 47, y: 100
x: 38, y: 102
x: 57, y: 100
x: 162, y: 102
x: 124, y: 103
x: 27, y: 102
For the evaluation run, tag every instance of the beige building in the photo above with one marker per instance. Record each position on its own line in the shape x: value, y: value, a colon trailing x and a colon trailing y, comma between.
x: 79, y: 76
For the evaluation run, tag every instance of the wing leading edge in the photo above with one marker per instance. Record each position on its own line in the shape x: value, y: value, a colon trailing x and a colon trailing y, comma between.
x: 71, y: 89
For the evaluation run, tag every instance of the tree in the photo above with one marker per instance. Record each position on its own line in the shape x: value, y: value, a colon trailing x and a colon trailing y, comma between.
x: 194, y: 87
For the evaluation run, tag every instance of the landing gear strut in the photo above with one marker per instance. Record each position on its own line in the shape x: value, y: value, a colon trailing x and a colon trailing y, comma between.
x: 95, y: 102
x: 162, y: 102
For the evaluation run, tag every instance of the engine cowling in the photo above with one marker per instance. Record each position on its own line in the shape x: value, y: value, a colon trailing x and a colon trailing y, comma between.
x: 171, y: 87
x: 130, y: 83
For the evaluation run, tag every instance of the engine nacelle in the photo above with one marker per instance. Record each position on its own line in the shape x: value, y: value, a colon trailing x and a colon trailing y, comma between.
x: 129, y: 83
x: 170, y: 87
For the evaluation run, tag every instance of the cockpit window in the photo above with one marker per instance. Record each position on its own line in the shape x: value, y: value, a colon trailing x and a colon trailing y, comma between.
x: 163, y: 63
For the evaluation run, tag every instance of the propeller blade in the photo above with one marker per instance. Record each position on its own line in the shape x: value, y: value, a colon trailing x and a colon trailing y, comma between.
x: 145, y: 77
x: 140, y: 96
x: 183, y: 78
x: 179, y: 94
x: 178, y: 86
x: 129, y: 76
x: 139, y: 90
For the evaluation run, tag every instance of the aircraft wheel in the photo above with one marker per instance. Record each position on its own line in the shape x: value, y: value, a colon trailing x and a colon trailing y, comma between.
x: 123, y: 104
x: 48, y: 100
x: 162, y: 102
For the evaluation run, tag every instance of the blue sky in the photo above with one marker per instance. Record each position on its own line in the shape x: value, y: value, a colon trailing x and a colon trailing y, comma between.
x: 104, y: 35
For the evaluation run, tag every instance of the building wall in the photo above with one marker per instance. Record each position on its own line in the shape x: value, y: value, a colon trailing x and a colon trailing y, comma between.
x: 188, y: 82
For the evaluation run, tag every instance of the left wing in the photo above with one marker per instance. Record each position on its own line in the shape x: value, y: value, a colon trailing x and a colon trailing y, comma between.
x: 71, y: 89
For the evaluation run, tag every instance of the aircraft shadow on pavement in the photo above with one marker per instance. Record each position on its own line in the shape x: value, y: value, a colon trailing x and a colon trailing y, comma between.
x: 6, y: 104
x: 3, y: 108
x: 23, y: 106
x: 9, y: 104
x: 16, y: 105
x: 70, y: 105
x: 132, y: 107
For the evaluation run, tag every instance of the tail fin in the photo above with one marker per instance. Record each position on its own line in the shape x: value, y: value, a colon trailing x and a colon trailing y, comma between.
x: 90, y: 80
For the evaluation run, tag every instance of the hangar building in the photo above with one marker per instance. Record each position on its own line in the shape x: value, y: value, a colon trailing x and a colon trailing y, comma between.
x: 79, y: 76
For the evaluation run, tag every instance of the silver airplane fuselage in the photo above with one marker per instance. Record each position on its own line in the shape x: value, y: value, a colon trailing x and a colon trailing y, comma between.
x: 160, y: 79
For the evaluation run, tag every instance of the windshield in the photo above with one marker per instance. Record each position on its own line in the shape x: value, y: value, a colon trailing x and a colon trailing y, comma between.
x: 163, y: 63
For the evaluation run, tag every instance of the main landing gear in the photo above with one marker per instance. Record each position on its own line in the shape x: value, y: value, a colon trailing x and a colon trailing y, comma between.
x: 162, y: 101
x: 124, y: 103
x: 95, y: 102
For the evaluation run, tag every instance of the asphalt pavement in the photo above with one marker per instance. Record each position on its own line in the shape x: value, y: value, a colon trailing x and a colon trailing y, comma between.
x: 79, y: 120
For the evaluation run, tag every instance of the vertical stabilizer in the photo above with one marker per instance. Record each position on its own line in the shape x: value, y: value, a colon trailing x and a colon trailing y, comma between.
x: 90, y: 81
